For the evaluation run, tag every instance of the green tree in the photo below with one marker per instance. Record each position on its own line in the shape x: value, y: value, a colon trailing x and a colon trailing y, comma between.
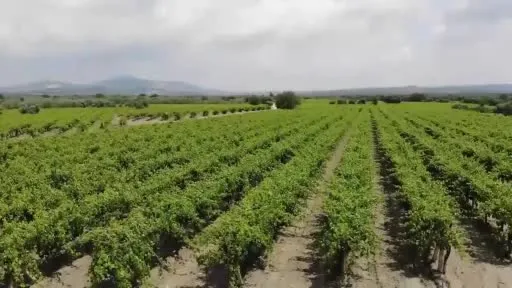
x: 287, y: 100
x: 254, y: 100
x: 417, y: 97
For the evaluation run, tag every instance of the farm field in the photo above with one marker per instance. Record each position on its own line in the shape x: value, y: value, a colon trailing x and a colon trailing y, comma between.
x: 59, y: 120
x: 386, y: 195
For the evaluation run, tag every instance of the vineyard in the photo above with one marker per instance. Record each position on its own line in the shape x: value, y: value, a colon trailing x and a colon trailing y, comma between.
x: 72, y: 120
x: 394, y: 195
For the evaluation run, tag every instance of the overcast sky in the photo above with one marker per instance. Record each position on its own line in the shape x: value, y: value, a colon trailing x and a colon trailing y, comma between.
x: 259, y: 44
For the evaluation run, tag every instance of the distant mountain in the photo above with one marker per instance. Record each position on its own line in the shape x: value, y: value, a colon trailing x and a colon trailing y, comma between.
x: 130, y: 85
x: 123, y: 85
x: 406, y: 90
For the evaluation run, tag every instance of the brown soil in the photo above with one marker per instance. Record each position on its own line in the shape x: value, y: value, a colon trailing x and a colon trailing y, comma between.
x: 479, y: 266
x: 182, y: 271
x: 74, y: 276
x: 294, y: 261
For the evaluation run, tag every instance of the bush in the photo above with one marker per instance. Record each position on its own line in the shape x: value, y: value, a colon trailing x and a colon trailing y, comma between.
x: 332, y: 102
x: 165, y: 116
x: 206, y: 113
x: 215, y: 112
x: 352, y: 102
x: 123, y: 121
x: 225, y: 111
x: 193, y: 114
x: 391, y: 99
x: 505, y: 109
x: 287, y: 100
x: 232, y: 110
x: 417, y: 97
x: 254, y: 100
x: 240, y: 110
x: 362, y: 101
x: 29, y: 109
x: 177, y: 116
x: 340, y: 101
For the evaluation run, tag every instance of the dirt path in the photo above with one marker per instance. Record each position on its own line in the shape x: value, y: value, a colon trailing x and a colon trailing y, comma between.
x: 294, y: 262
x: 479, y: 267
x: 74, y: 276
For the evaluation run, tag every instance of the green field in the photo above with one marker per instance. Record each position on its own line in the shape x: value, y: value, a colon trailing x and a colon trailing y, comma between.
x: 226, y: 187
x: 14, y: 124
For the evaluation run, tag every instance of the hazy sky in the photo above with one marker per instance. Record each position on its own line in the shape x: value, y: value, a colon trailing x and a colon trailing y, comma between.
x: 259, y: 44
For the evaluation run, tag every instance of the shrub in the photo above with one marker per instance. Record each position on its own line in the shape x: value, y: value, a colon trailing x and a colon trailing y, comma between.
x: 254, y: 100
x: 206, y: 113
x: 391, y: 99
x: 287, y: 100
x: 417, y: 97
x: 165, y: 116
x: 29, y: 109
x: 177, y: 116
x: 123, y: 121
x: 362, y: 101
x: 505, y: 109
x: 232, y: 110
x: 332, y: 102
x: 225, y: 111
x: 193, y: 114
x: 215, y: 112
x: 240, y: 110
x: 340, y: 101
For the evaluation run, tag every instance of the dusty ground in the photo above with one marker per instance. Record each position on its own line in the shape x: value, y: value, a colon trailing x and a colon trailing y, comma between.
x: 74, y: 276
x: 294, y: 262
x: 183, y: 272
x: 479, y: 266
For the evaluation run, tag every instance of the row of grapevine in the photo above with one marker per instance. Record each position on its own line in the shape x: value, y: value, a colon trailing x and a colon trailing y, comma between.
x: 432, y: 228
x: 15, y: 124
x: 175, y: 219
x: 348, y: 230
x: 467, y: 181
x: 475, y: 131
x: 497, y: 164
x: 67, y: 179
x: 67, y: 196
x: 245, y: 234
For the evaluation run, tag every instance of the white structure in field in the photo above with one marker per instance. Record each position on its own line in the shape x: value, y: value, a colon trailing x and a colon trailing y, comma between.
x: 274, y: 107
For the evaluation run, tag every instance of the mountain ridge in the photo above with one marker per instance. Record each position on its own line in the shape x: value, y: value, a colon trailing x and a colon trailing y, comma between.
x: 131, y: 85
x: 122, y: 85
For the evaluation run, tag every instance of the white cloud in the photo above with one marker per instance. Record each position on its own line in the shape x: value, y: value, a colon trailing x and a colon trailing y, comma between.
x: 258, y: 44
